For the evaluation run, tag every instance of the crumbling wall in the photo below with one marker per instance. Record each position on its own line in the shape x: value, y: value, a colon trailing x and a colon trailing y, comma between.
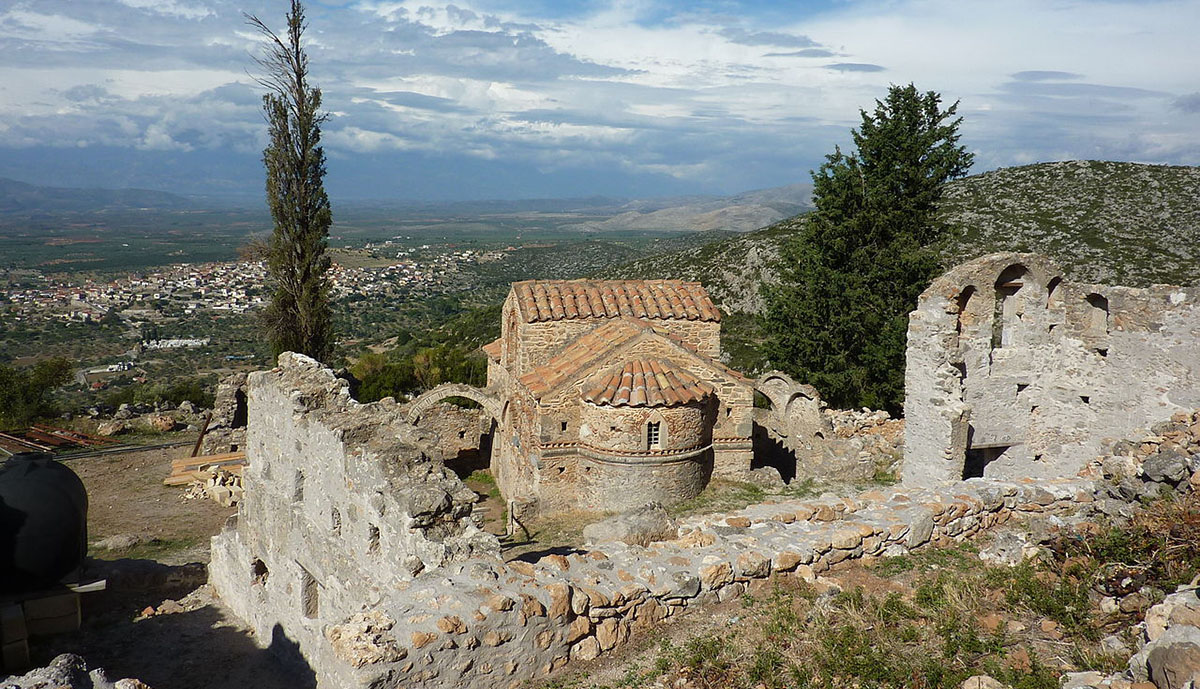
x: 399, y: 589
x: 227, y: 425
x: 459, y: 435
x: 342, y: 507
x: 819, y: 443
x: 1014, y: 372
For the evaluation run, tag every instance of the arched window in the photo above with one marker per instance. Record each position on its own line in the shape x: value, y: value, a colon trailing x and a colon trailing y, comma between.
x: 1007, y: 313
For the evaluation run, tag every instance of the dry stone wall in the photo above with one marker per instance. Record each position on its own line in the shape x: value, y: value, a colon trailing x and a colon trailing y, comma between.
x: 401, y: 590
x: 1013, y: 371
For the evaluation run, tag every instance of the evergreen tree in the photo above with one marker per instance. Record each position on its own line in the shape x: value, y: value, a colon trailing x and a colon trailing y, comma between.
x: 299, y: 318
x: 839, y: 317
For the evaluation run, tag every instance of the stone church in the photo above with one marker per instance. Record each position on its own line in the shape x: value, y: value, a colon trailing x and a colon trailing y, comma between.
x: 613, y: 395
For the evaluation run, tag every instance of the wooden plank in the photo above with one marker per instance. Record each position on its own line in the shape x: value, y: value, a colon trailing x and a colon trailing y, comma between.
x: 47, y: 438
x: 78, y: 436
x: 28, y: 445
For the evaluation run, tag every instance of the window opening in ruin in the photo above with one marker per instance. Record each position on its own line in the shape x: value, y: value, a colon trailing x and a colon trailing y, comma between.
x: 309, y: 596
x: 1085, y: 399
x: 1005, y: 316
x: 462, y: 434
x: 1053, y: 298
x: 561, y: 469
x: 1102, y: 351
x: 259, y: 572
x: 963, y: 301
x: 728, y: 411
x: 1021, y: 387
x: 335, y: 518
x: 612, y: 428
x: 239, y: 409
x: 1037, y: 458
x: 298, y: 489
x: 1098, y: 318
x: 653, y: 440
x: 563, y: 427
x: 979, y: 457
x: 372, y: 538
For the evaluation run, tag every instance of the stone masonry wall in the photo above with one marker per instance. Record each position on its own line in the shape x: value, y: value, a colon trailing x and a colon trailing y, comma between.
x: 431, y: 604
x: 1014, y: 372
x: 341, y: 507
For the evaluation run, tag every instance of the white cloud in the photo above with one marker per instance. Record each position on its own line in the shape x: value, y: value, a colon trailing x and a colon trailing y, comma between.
x: 176, y: 8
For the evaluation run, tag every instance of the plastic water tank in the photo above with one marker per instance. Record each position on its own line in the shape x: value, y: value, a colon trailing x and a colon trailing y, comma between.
x: 43, y: 522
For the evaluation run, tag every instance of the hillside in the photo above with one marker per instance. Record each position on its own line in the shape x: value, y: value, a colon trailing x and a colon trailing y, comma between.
x: 1107, y: 222
x: 21, y: 198
x: 740, y: 213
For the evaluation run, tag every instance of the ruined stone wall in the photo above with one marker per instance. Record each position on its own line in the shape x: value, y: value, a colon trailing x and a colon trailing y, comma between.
x: 226, y: 431
x: 1014, y: 372
x: 341, y: 507
x: 456, y: 433
x: 427, y: 601
x: 487, y: 624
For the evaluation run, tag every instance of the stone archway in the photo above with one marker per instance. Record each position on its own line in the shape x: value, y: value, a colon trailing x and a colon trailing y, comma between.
x: 427, y: 399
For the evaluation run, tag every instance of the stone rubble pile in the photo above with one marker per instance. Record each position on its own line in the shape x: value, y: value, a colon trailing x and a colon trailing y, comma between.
x: 68, y: 671
x: 1164, y: 460
x: 161, y: 417
x: 221, y: 486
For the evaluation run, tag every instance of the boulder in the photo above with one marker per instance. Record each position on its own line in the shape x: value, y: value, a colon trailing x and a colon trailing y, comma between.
x: 1170, y: 660
x: 111, y: 428
x: 187, y: 407
x: 1166, y: 467
x: 641, y: 526
x: 160, y: 422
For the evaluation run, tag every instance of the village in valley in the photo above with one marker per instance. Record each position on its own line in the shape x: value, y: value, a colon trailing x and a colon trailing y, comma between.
x: 525, y: 378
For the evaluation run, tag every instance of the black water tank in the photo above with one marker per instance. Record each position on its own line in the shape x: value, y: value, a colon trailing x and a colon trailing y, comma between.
x: 43, y: 522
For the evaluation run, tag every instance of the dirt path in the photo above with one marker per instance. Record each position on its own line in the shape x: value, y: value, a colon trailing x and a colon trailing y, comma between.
x: 158, y: 621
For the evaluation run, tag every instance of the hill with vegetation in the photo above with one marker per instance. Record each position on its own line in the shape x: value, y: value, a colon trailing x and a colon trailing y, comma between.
x: 1104, y: 222
x: 21, y: 198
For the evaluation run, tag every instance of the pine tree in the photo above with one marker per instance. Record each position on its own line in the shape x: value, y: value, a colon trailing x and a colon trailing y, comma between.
x: 838, y: 319
x: 299, y: 318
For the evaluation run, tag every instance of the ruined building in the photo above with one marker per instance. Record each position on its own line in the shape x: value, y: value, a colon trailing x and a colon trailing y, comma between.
x: 1014, y: 372
x: 607, y: 395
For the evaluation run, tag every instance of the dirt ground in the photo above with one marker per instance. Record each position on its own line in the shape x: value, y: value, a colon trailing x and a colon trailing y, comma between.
x: 157, y: 620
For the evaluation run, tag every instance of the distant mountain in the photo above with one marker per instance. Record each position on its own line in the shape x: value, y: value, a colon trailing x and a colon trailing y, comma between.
x: 1104, y: 222
x: 18, y: 198
x: 740, y: 213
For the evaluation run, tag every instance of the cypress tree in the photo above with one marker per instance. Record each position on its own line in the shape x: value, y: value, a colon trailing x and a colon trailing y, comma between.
x: 298, y: 318
x: 839, y: 317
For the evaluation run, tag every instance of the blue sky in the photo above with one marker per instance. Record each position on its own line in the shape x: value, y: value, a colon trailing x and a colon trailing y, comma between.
x: 542, y: 98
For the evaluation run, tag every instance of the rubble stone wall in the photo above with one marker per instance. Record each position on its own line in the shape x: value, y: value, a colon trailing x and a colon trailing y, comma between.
x: 1014, y: 372
x: 424, y: 599
x: 342, y: 505
x: 226, y: 431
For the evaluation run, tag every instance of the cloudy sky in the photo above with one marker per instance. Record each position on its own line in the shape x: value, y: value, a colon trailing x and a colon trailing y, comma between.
x: 546, y: 98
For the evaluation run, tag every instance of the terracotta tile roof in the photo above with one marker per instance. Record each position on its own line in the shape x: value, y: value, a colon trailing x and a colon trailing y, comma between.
x: 556, y: 300
x: 587, y: 351
x: 493, y: 349
x: 646, y: 383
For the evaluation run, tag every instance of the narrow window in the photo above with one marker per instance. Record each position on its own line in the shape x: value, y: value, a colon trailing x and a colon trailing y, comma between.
x: 298, y: 490
x: 1098, y: 318
x: 563, y: 427
x: 240, y: 410
x: 309, y: 596
x: 652, y: 436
